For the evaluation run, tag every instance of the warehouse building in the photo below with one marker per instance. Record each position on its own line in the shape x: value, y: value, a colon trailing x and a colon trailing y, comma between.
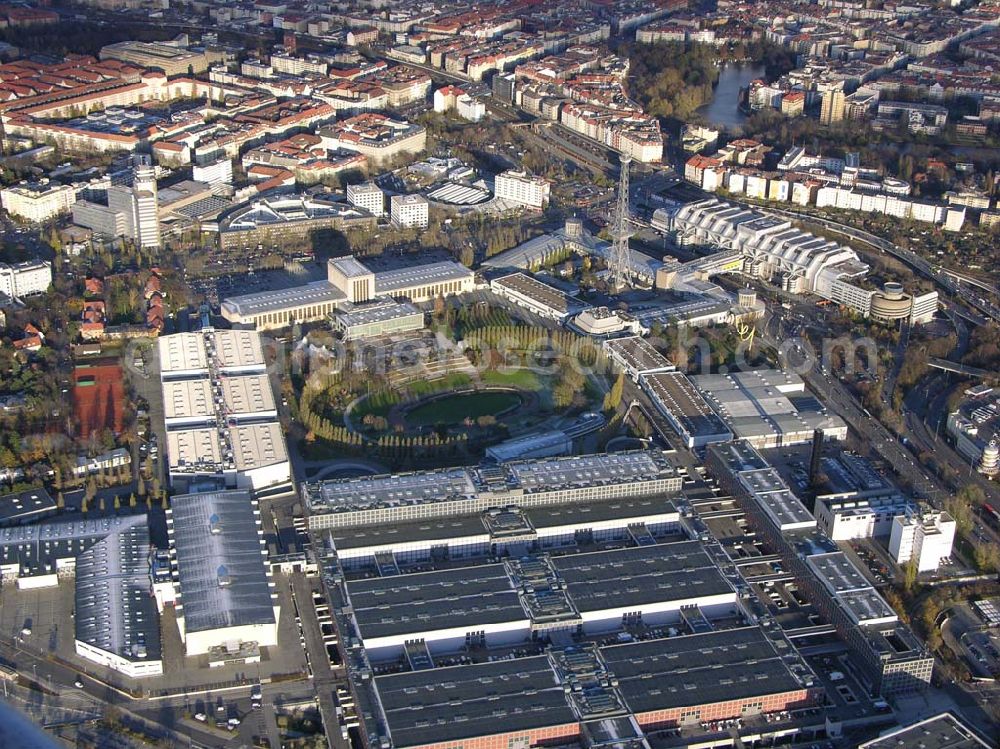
x: 219, y: 412
x: 758, y: 407
x: 535, y: 296
x: 19, y: 508
x: 688, y: 413
x: 440, y: 493
x: 115, y: 621
x: 115, y: 618
x: 498, y: 531
x: 224, y: 597
x: 590, y: 695
x: 527, y: 598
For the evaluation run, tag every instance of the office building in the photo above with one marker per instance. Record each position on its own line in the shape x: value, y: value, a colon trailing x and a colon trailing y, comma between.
x: 923, y: 539
x: 145, y: 211
x: 368, y: 196
x: 376, y: 136
x: 521, y: 188
x: 219, y: 172
x: 409, y: 211
x: 275, y: 219
x: 832, y: 107
x: 856, y: 515
x: 19, y: 280
x: 169, y: 58
x: 38, y: 202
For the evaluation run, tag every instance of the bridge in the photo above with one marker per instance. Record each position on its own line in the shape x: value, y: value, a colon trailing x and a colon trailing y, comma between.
x: 950, y: 366
x: 970, y: 280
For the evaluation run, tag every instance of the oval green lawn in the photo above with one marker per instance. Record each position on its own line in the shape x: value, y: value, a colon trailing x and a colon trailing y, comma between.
x: 453, y: 409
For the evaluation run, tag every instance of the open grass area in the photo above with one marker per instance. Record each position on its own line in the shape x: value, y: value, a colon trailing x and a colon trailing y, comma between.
x: 456, y: 408
x: 522, y: 379
x: 453, y: 381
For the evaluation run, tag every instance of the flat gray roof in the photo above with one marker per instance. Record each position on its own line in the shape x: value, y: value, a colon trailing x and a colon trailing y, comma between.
x: 20, y: 506
x: 373, y: 312
x: 674, y: 393
x: 546, y: 474
x: 638, y: 354
x: 465, y: 526
x: 349, y: 265
x: 775, y: 498
x: 537, y: 291
x: 623, y: 509
x: 37, y: 546
x: 739, y: 456
x: 943, y: 731
x: 220, y: 554
x: 640, y: 575
x: 444, y: 529
x: 850, y: 587
x: 429, y: 601
x: 389, y: 490
x: 271, y: 301
x: 698, y: 669
x: 463, y: 702
x: 389, y: 281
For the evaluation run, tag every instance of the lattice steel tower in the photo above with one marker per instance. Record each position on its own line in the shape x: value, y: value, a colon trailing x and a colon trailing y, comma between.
x: 618, y: 262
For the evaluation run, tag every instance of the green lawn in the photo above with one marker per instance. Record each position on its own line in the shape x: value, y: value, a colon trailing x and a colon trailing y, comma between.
x: 522, y: 379
x: 454, y: 409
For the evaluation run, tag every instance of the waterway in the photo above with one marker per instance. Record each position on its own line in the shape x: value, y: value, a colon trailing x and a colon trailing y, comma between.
x: 723, y: 110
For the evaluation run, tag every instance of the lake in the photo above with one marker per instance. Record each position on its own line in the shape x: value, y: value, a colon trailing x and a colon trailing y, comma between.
x: 723, y: 110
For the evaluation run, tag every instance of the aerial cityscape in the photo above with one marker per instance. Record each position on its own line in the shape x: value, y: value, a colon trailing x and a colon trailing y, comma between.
x: 598, y: 374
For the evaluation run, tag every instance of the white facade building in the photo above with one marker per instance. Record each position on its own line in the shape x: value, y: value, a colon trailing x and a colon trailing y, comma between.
x: 24, y: 279
x: 38, y: 202
x: 216, y: 173
x: 924, y: 539
x: 520, y: 187
x: 367, y: 195
x: 410, y: 211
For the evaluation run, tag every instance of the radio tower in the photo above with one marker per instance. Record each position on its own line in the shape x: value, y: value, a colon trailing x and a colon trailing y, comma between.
x: 618, y: 262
